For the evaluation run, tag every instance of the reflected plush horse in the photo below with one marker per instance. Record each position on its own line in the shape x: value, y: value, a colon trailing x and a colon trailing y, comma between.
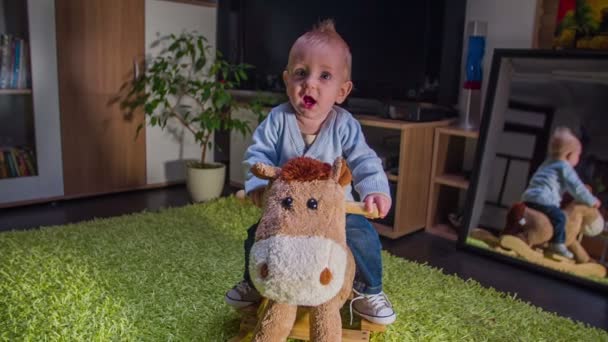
x: 535, y: 229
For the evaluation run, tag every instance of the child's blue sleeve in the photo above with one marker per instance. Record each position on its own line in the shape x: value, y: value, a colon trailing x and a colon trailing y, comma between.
x: 368, y: 175
x: 263, y: 149
x: 575, y: 187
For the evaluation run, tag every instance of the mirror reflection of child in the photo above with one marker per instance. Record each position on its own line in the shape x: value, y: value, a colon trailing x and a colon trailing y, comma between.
x: 552, y: 179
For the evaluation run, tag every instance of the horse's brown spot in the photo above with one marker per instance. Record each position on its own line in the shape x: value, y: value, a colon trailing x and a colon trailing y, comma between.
x: 264, y: 271
x: 325, y: 276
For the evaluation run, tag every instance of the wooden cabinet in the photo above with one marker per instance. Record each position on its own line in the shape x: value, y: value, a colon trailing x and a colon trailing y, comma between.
x: 414, y: 175
x: 30, y: 116
x: 448, y: 179
x: 98, y: 43
x: 17, y: 128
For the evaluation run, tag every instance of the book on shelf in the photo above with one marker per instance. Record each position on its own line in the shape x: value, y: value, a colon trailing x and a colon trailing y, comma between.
x: 17, y: 162
x: 3, y: 169
x: 14, y: 62
x: 12, y: 172
x: 5, y: 62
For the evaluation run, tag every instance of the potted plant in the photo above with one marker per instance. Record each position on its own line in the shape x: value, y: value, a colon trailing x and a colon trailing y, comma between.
x: 189, y: 85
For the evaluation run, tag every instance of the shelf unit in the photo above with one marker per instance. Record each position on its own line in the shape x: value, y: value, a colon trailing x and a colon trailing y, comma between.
x: 447, y: 178
x: 415, y: 153
x: 30, y: 116
x: 17, y: 130
x: 15, y: 91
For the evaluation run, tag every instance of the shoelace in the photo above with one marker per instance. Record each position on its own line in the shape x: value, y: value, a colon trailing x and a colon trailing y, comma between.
x: 376, y: 300
x: 243, y: 287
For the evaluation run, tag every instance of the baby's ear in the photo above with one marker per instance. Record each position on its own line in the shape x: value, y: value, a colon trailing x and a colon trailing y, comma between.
x: 264, y: 171
x: 341, y: 172
x: 345, y: 89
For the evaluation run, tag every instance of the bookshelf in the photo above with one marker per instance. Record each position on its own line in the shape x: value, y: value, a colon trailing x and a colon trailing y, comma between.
x: 447, y: 178
x: 29, y: 115
x: 415, y: 149
x: 17, y: 129
x: 15, y: 91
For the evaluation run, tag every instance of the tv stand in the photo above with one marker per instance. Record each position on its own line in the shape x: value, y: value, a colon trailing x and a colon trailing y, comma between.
x: 413, y: 180
x: 366, y: 106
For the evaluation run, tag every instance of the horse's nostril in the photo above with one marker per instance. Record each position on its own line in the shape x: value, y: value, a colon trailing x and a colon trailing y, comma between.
x: 264, y: 271
x: 325, y: 276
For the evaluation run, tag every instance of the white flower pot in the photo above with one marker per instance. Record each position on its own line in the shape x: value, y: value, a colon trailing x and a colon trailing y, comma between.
x: 205, y: 184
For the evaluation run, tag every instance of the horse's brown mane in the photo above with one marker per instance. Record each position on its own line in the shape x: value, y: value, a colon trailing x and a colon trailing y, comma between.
x: 305, y: 169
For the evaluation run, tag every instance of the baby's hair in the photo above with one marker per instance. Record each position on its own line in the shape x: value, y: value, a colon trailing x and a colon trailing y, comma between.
x: 324, y: 32
x: 563, y: 142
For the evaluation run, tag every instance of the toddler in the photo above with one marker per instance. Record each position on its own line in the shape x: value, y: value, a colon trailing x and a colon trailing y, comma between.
x: 317, y: 78
x: 554, y: 177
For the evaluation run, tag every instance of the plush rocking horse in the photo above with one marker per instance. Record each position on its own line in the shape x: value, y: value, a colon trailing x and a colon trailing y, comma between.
x: 527, y: 228
x: 300, y: 256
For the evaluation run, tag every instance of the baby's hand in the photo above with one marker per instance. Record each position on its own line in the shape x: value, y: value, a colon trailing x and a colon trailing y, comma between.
x: 597, y: 204
x: 382, y: 202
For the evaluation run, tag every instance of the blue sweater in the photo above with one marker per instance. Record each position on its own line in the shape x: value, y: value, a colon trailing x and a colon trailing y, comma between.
x: 551, y: 180
x: 278, y: 139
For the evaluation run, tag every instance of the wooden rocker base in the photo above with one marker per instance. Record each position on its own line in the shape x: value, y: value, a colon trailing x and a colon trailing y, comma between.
x: 300, y: 330
x: 491, y: 241
x: 517, y: 245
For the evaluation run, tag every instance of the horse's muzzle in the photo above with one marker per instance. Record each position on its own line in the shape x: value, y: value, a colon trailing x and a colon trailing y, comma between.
x: 595, y: 228
x: 298, y: 270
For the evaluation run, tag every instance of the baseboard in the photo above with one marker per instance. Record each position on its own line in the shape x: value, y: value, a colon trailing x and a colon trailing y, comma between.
x: 72, y: 197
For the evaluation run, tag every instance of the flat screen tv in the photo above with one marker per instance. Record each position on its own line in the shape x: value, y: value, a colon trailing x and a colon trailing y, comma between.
x: 402, y: 50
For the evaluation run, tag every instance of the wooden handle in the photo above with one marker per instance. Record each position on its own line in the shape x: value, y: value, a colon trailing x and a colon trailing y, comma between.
x: 358, y: 208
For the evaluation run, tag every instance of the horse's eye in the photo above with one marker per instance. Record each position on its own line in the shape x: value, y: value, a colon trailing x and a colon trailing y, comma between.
x: 312, y: 204
x: 287, y: 202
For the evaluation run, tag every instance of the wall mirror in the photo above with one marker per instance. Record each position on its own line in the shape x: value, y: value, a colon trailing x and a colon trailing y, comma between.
x: 530, y: 93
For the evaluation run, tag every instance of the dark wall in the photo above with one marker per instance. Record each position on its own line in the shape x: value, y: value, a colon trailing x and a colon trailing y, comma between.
x: 402, y: 50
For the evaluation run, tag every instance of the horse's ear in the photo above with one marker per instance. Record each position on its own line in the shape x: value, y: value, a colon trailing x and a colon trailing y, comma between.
x: 340, y: 172
x: 265, y: 171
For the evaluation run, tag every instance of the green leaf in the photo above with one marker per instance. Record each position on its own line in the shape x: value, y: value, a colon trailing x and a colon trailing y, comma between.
x: 174, y: 46
x: 222, y: 99
x: 199, y: 64
x: 139, y: 128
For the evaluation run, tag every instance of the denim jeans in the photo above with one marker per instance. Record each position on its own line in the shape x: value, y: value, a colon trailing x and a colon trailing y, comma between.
x: 364, y: 243
x: 557, y: 218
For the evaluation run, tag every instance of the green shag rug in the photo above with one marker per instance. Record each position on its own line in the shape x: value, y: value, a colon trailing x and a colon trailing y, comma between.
x: 162, y: 277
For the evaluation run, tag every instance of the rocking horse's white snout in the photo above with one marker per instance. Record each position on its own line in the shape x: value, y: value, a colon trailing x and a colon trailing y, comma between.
x: 595, y: 228
x: 298, y: 270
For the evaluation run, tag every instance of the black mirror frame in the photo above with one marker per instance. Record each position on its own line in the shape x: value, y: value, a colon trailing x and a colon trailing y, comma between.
x: 498, y: 57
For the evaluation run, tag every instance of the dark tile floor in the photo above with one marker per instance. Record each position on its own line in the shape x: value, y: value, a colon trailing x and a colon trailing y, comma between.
x: 549, y: 293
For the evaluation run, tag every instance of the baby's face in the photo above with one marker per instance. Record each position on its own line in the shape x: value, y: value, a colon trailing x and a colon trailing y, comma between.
x: 316, y: 79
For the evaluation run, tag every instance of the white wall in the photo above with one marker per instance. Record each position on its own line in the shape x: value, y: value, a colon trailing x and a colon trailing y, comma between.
x: 166, y: 149
x: 510, y: 25
x: 49, y: 183
x: 238, y: 146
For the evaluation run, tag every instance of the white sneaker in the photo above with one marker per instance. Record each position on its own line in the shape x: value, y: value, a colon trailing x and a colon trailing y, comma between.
x: 375, y: 308
x: 561, y: 249
x: 242, y: 295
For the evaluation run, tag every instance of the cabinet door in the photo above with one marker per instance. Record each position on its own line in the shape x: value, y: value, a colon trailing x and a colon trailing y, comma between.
x: 43, y: 103
x: 97, y: 44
